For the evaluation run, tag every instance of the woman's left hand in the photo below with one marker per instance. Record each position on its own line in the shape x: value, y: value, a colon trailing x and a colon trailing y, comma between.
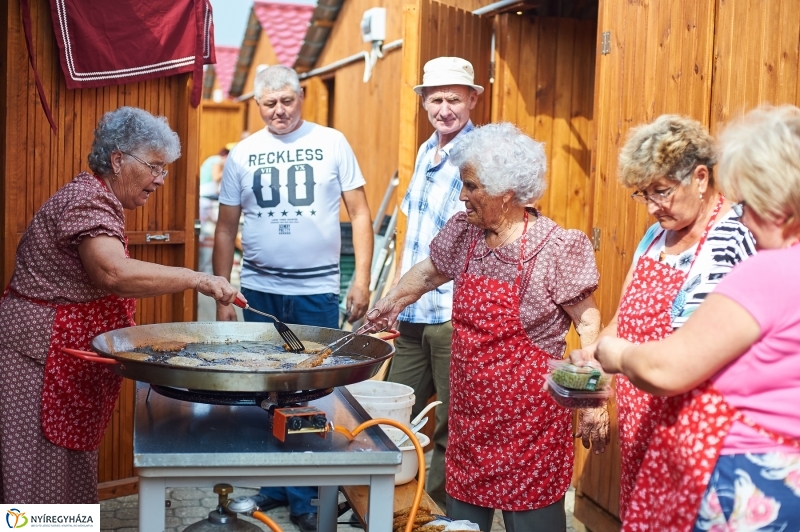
x: 593, y: 428
x: 609, y: 353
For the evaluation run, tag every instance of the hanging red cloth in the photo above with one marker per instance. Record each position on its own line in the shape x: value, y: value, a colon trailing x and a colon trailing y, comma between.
x: 105, y: 43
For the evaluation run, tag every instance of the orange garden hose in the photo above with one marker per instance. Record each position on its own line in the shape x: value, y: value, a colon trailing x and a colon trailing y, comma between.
x: 350, y: 435
x: 264, y: 518
x: 420, y: 458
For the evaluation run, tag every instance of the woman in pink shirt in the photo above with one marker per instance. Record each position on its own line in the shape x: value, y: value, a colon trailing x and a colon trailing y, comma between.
x: 726, y: 452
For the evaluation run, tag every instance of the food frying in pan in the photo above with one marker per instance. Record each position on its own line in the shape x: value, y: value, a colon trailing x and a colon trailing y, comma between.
x: 168, y: 347
x: 245, y: 356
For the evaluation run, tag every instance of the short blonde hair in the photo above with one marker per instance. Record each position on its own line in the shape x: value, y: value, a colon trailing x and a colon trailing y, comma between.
x: 760, y: 162
x: 671, y: 146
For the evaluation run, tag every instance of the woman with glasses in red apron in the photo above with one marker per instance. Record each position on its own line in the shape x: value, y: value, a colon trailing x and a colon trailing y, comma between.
x: 520, y: 282
x: 73, y: 280
x: 725, y: 454
x: 697, y: 241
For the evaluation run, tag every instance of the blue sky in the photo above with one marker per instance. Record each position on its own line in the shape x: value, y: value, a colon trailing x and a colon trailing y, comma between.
x: 230, y: 19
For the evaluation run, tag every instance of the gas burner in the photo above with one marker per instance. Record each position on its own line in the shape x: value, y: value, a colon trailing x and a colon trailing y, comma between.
x: 266, y: 400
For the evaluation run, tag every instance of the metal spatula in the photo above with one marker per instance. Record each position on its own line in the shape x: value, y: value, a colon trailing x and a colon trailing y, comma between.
x: 292, y: 341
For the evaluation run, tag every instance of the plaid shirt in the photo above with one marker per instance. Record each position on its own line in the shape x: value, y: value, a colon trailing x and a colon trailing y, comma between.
x: 431, y: 200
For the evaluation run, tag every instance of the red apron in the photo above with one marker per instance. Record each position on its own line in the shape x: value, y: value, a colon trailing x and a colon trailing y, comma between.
x: 681, y: 458
x: 510, y: 445
x: 644, y: 316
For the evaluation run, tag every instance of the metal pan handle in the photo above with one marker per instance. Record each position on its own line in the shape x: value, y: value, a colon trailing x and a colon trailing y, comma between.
x: 88, y: 356
x: 392, y: 334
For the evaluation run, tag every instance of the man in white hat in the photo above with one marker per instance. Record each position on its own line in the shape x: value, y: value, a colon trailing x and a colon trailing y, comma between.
x: 422, y: 358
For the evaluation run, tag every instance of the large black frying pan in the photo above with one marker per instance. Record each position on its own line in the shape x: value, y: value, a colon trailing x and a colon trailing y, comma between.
x: 106, y: 345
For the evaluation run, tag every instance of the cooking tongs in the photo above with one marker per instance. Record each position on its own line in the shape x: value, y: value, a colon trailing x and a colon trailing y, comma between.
x: 344, y: 340
x: 293, y: 343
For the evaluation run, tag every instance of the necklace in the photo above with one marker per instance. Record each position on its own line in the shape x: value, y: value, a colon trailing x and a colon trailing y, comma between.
x: 510, y: 232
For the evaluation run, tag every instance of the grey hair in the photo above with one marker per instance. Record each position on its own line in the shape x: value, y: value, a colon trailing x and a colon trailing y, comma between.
x: 504, y: 159
x: 275, y: 78
x: 131, y: 130
x: 671, y: 146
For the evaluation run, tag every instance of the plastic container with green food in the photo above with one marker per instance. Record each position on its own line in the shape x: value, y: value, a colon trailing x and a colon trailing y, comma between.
x: 577, y: 399
x: 574, y: 377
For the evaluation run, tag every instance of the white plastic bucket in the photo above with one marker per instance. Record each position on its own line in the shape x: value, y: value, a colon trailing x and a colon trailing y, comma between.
x: 385, y: 399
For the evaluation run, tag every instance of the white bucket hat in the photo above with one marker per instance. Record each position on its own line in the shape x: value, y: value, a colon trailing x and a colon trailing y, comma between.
x: 448, y: 71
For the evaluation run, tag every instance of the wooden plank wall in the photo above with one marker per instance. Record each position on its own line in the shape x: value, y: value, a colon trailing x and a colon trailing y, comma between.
x: 757, y: 52
x: 544, y: 83
x: 39, y: 162
x: 365, y: 112
x: 220, y: 123
x: 434, y: 29
x: 264, y: 54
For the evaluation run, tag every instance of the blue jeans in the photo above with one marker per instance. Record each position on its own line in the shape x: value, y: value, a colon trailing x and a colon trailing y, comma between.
x: 319, y: 310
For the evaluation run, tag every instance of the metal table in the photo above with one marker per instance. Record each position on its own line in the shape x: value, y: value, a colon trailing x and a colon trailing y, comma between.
x: 183, y: 444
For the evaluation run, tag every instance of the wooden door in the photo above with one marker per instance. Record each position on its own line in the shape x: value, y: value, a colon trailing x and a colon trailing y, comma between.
x: 36, y: 162
x: 659, y: 61
x: 432, y: 29
x: 544, y: 84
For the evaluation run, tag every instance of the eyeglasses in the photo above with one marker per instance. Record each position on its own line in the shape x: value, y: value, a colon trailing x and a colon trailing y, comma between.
x: 738, y: 209
x: 658, y: 198
x: 155, y: 171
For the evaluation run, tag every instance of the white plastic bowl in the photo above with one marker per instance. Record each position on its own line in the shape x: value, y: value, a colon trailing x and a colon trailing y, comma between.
x: 385, y: 399
x: 410, y: 465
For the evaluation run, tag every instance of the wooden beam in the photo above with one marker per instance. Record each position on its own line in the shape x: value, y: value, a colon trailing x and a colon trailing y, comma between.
x: 118, y: 488
x: 594, y: 517
x: 409, y: 110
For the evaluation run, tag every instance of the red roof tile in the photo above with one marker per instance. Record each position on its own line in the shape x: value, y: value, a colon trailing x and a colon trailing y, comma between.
x: 226, y: 65
x: 285, y: 25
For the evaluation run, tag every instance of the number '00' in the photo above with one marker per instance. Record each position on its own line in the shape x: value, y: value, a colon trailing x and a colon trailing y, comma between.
x: 273, y: 175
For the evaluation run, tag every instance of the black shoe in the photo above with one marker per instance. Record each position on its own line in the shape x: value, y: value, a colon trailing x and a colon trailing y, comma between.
x: 306, y: 522
x: 265, y: 503
x: 354, y: 522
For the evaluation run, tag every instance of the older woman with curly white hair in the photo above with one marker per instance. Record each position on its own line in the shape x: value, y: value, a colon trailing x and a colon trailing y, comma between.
x: 520, y: 282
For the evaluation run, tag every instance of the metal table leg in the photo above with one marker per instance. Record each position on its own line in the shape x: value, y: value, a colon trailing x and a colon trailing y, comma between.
x: 152, y: 494
x: 328, y: 510
x: 381, y: 503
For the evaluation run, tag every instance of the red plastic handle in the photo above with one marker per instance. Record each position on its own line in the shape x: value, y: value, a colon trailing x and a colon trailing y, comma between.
x: 392, y: 334
x: 239, y: 302
x: 88, y: 356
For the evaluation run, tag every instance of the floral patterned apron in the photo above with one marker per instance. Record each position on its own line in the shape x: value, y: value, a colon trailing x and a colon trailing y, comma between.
x: 681, y: 457
x: 78, y: 397
x: 510, y: 445
x: 644, y: 316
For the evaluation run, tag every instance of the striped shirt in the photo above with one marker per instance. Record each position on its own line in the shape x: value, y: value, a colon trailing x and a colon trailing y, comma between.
x: 431, y: 200
x: 728, y: 243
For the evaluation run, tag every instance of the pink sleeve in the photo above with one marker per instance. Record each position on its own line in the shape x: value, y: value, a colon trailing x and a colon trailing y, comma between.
x: 576, y: 269
x: 449, y: 248
x: 755, y: 285
x: 93, y: 216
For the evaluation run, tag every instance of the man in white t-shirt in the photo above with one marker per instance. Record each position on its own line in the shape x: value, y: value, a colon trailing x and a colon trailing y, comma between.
x: 288, y: 179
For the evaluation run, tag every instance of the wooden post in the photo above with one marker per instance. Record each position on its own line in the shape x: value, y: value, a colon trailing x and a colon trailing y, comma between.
x: 409, y: 110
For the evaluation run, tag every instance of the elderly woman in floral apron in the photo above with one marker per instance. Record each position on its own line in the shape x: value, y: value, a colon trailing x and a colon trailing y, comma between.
x: 520, y: 282
x: 73, y: 280
x: 697, y: 240
x: 725, y: 454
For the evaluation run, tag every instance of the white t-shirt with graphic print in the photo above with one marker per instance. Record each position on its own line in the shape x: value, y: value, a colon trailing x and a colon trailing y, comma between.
x: 290, y: 187
x: 729, y: 242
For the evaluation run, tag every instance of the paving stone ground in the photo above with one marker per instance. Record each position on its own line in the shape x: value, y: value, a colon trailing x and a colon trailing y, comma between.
x: 190, y: 505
